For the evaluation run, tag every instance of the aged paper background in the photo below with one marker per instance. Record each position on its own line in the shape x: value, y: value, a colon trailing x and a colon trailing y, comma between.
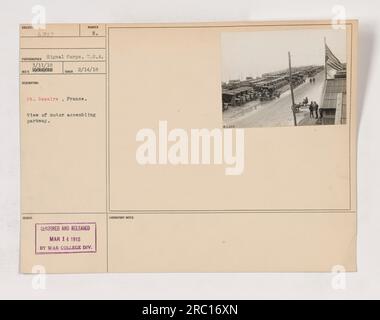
x: 184, y: 219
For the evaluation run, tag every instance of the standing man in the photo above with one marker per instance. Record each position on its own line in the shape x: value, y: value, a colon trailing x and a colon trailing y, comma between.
x: 316, y: 107
x: 311, y: 109
x: 320, y: 113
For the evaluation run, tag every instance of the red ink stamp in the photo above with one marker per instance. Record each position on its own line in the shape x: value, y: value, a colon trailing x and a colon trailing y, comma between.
x: 65, y: 238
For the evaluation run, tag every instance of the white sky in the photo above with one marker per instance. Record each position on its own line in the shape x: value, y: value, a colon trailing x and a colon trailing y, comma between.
x: 254, y: 53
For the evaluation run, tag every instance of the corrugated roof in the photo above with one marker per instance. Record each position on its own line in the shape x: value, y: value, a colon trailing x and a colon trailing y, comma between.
x: 237, y: 90
x: 333, y: 88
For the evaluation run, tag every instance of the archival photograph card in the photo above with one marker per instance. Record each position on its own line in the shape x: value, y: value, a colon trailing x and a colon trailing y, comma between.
x: 206, y: 147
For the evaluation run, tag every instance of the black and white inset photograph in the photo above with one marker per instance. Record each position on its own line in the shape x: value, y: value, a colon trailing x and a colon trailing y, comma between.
x: 284, y: 78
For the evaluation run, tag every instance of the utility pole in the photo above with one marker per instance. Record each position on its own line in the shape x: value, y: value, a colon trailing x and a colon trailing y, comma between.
x: 291, y: 90
x: 325, y: 58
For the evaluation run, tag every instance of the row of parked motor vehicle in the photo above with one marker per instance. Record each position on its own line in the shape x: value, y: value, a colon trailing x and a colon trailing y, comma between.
x: 237, y: 93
